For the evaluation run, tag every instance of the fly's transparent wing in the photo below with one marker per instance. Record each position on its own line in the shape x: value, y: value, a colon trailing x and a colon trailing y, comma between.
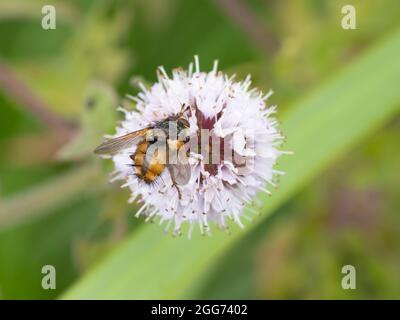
x: 115, y: 145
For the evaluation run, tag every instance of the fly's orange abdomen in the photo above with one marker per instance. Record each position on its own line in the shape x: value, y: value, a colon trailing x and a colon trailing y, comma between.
x: 138, y: 159
x: 153, y: 171
x: 148, y: 166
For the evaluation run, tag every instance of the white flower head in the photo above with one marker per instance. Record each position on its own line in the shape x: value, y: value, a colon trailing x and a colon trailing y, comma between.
x: 242, y: 145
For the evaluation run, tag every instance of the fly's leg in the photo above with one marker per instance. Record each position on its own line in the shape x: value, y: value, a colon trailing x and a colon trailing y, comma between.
x: 174, y: 184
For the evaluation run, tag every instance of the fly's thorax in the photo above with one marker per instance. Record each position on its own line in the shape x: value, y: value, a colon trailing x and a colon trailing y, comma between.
x: 172, y: 128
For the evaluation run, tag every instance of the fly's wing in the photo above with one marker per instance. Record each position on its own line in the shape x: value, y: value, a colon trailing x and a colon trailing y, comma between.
x: 113, y: 146
x: 180, y: 173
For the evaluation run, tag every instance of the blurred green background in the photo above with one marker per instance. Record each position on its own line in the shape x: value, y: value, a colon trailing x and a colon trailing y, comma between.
x: 59, y: 90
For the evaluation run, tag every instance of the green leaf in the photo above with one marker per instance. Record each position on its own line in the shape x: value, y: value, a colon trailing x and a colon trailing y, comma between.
x: 150, y: 265
x: 98, y: 117
x: 49, y: 239
x: 46, y: 196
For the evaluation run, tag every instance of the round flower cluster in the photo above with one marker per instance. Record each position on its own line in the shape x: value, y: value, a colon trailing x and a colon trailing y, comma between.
x: 235, y: 117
